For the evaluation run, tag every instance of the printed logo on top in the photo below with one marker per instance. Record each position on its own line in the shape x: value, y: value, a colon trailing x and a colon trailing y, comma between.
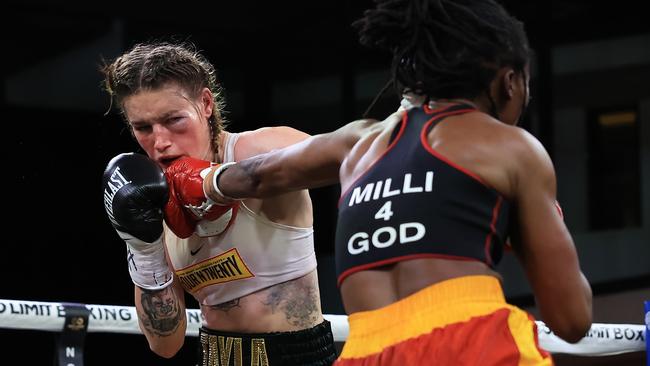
x: 226, y: 267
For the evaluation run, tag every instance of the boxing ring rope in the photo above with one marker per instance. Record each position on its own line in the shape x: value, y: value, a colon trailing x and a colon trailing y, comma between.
x: 601, y: 340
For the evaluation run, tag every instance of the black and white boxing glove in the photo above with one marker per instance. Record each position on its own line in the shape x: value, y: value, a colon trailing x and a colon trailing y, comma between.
x: 135, y: 192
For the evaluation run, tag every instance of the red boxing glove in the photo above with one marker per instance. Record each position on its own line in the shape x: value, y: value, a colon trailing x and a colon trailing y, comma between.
x: 187, y: 204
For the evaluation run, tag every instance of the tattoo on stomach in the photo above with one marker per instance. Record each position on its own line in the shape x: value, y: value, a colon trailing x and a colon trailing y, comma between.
x: 298, y: 300
x: 226, y: 306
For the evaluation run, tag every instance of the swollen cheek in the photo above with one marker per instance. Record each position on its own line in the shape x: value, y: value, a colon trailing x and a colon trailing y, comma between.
x: 148, y: 148
x: 149, y: 145
x: 143, y: 141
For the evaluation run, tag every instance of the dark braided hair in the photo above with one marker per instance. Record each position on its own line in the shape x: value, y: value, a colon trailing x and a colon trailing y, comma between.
x: 445, y: 49
x: 150, y: 66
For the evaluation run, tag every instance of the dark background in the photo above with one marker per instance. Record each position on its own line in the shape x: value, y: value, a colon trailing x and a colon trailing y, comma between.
x: 59, y: 133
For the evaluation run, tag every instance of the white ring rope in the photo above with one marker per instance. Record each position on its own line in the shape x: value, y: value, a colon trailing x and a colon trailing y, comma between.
x: 601, y: 340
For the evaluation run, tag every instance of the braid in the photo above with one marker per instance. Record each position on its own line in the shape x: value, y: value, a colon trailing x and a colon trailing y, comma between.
x: 445, y: 48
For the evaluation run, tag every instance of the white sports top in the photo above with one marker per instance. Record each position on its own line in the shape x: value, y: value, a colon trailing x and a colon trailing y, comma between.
x: 252, y: 252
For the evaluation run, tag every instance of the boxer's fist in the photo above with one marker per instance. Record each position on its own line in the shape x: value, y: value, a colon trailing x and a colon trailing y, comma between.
x: 135, y: 191
x: 188, y: 203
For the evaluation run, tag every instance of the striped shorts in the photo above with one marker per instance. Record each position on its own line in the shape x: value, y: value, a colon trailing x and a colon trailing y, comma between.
x: 462, y: 321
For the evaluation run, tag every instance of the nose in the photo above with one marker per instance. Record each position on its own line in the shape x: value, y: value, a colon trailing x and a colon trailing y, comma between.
x: 161, y: 137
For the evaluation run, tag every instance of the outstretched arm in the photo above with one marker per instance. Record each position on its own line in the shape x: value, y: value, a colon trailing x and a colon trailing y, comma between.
x: 311, y: 163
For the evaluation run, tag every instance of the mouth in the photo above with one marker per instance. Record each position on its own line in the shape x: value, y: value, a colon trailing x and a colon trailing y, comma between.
x: 167, y: 161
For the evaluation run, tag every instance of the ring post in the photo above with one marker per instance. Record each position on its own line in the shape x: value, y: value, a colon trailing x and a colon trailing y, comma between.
x: 70, y: 342
x: 647, y: 332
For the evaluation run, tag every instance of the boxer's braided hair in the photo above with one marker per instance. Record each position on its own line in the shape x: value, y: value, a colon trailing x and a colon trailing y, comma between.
x: 445, y: 48
x: 149, y: 66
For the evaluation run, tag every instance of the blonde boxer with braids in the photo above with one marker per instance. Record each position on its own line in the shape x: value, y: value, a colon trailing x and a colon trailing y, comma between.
x: 250, y: 264
x: 432, y: 193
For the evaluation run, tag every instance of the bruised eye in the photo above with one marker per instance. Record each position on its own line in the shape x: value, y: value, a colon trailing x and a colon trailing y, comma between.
x: 175, y: 119
x: 143, y: 128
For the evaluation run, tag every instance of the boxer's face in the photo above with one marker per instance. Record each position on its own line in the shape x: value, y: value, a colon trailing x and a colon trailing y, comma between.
x: 168, y: 123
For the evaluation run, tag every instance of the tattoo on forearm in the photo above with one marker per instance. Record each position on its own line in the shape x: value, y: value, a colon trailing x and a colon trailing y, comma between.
x: 250, y: 165
x: 161, y: 312
x: 245, y: 181
x: 297, y: 299
x: 226, y: 306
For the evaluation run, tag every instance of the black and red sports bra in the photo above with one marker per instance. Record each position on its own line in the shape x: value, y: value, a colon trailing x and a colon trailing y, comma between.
x: 414, y: 203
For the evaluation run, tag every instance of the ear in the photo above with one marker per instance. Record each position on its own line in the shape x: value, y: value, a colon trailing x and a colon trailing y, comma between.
x: 508, y: 83
x: 207, y: 103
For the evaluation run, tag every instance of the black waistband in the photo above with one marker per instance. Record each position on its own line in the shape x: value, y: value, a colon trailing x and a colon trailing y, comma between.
x: 313, y: 347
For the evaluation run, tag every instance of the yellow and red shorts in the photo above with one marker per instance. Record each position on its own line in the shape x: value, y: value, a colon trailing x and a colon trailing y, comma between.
x: 462, y: 321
